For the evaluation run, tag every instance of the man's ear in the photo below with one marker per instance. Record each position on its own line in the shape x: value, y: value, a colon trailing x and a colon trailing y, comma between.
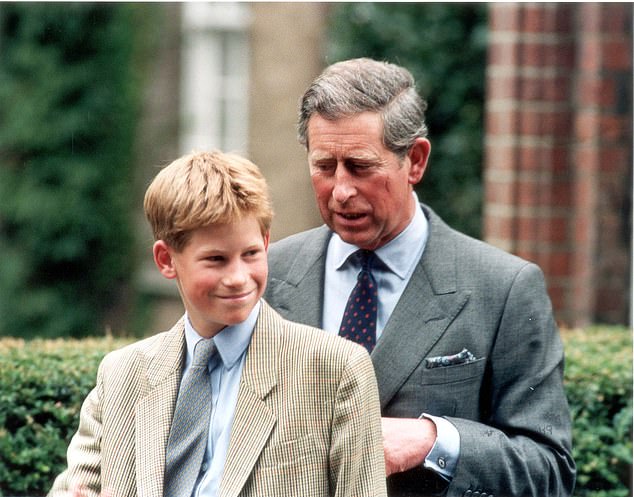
x: 418, y: 155
x: 163, y: 259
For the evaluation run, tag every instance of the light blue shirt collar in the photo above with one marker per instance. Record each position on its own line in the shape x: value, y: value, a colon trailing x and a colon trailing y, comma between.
x: 396, y: 254
x: 399, y: 260
x: 231, y: 342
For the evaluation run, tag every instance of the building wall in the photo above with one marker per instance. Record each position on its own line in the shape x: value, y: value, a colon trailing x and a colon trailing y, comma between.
x: 157, y: 144
x: 558, y: 167
x: 286, y: 40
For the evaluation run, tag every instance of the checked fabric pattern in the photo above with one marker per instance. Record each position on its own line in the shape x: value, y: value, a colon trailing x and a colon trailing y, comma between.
x: 359, y: 318
x: 190, y: 426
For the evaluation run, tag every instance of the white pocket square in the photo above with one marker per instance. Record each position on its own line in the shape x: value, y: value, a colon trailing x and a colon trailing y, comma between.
x: 462, y: 357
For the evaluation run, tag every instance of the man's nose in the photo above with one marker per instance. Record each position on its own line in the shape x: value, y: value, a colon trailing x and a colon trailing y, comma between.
x: 344, y: 187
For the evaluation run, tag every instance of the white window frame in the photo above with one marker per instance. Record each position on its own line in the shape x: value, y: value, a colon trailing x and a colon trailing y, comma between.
x: 215, y: 77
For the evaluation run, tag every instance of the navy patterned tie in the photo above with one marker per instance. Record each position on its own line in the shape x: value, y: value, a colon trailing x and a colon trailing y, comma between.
x: 190, y: 425
x: 359, y: 318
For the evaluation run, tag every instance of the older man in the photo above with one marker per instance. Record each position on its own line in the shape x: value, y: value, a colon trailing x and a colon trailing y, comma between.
x: 462, y: 337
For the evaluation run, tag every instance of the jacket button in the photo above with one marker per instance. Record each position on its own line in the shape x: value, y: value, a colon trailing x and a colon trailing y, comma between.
x: 441, y: 463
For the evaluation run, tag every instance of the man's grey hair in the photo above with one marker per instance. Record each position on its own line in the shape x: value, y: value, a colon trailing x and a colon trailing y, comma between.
x: 359, y: 85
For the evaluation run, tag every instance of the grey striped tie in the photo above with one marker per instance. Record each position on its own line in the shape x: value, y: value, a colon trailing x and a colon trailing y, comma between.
x: 190, y: 426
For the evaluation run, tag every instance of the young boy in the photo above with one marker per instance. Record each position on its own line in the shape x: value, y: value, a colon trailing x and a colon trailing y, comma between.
x: 273, y: 409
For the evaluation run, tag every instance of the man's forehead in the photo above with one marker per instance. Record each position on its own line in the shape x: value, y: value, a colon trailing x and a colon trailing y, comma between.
x: 341, y: 153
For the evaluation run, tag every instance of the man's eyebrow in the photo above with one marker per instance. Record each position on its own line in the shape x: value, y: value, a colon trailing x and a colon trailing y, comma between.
x: 351, y: 156
x: 317, y: 156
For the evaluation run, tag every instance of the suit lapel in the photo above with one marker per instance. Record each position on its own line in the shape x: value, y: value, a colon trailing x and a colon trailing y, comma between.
x: 253, y: 421
x: 154, y: 412
x: 300, y: 298
x: 428, y: 305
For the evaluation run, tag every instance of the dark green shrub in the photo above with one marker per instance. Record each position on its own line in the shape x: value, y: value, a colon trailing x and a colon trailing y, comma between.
x: 43, y: 383
x: 444, y: 46
x: 68, y: 100
x: 598, y: 379
x: 42, y: 387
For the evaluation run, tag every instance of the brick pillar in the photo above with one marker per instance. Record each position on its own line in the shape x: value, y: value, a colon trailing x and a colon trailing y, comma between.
x: 602, y: 155
x: 552, y: 130
x: 286, y: 41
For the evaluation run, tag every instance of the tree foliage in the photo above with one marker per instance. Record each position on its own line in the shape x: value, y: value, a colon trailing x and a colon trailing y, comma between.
x: 67, y: 115
x: 444, y: 46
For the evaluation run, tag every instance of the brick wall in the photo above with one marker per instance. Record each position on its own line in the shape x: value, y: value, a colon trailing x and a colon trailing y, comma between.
x: 558, y: 161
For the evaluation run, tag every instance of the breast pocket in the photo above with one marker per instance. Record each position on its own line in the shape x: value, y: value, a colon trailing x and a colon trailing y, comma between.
x: 291, y: 452
x: 459, y: 373
x: 293, y: 467
x: 441, y: 391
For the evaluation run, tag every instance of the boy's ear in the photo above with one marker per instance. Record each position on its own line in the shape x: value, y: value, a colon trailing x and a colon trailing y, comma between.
x: 267, y: 237
x: 163, y: 259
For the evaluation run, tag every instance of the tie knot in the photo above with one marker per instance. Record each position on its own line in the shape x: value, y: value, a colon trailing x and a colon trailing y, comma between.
x: 366, y: 259
x: 203, y: 351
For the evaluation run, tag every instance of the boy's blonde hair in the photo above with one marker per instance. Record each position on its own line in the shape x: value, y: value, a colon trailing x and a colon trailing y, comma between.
x: 202, y: 189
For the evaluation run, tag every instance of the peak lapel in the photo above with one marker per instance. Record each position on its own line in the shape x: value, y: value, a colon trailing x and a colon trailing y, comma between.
x: 427, y: 307
x: 300, y: 296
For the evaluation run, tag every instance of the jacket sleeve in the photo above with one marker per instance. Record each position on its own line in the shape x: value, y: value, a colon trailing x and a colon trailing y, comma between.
x: 84, y: 452
x: 357, y: 466
x: 522, y: 447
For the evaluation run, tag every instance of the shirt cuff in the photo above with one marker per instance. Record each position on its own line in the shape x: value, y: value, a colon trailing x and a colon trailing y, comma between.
x: 443, y: 456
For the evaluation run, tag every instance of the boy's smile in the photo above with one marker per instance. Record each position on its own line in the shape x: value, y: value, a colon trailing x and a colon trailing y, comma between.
x: 221, y: 272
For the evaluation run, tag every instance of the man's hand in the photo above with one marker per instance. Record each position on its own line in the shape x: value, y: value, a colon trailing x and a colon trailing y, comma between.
x: 406, y: 442
x: 80, y: 491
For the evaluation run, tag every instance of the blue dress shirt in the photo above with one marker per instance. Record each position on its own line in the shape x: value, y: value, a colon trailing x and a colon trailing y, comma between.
x: 399, y: 258
x: 226, y: 370
x: 398, y: 261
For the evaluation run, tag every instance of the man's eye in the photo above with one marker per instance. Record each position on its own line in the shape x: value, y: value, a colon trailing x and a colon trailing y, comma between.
x: 323, y: 166
x: 359, y: 166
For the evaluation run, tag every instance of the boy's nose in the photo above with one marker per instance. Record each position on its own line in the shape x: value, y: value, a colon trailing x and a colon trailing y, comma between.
x: 236, y: 276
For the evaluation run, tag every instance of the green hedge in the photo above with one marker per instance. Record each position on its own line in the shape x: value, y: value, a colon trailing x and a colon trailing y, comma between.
x: 599, y: 388
x: 42, y: 385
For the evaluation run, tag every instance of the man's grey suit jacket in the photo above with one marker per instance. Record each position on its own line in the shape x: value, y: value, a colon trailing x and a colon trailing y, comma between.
x: 508, y: 405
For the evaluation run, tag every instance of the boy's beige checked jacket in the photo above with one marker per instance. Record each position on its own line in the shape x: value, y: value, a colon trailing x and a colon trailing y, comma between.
x: 307, y: 419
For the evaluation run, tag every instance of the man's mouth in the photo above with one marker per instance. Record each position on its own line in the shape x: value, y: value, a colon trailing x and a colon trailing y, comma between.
x: 350, y: 216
